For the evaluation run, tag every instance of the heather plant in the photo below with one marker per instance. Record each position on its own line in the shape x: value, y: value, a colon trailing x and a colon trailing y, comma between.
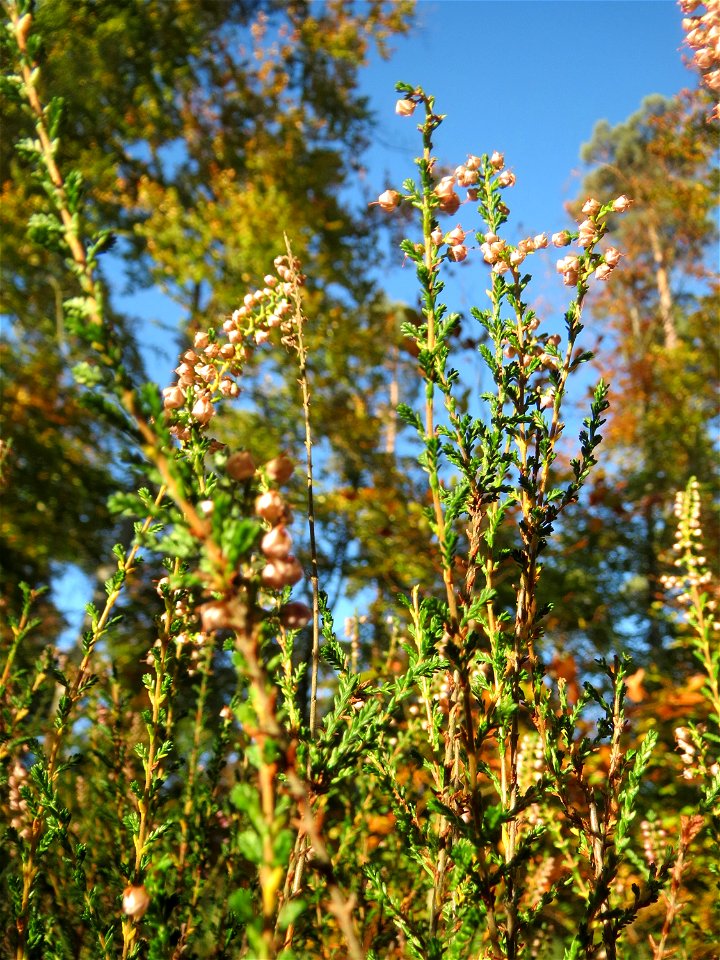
x: 450, y: 799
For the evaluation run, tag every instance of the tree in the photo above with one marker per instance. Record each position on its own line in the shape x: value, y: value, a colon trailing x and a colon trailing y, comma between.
x: 657, y: 351
x: 203, y: 132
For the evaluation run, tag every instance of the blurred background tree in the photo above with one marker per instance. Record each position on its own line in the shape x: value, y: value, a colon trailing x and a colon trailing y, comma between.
x: 655, y: 345
x: 203, y: 131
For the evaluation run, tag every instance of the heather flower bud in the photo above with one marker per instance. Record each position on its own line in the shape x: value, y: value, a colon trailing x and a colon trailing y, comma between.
x: 240, y: 465
x: 450, y: 204
x: 540, y: 241
x: 214, y: 616
x: 621, y: 204
x: 277, y: 543
x: 466, y: 177
x: 270, y: 506
x: 294, y: 616
x: 135, y: 901
x: 173, y: 398
x: 561, y: 239
x: 228, y: 388
x: 388, y: 200
x: 436, y: 236
x: 497, y: 160
x: 456, y: 236
x: 203, y: 410
x: 458, y: 253
x: 445, y: 188
x: 473, y: 162
x: 206, y: 372
x: 281, y: 573
x: 603, y: 271
x: 186, y: 374
x: 201, y: 340
x: 506, y: 179
x: 612, y: 256
x: 591, y: 207
x: 405, y: 107
x: 587, y: 233
x: 280, y: 469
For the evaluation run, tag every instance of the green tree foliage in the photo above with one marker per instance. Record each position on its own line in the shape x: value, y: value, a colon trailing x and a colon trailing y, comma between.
x: 204, y: 131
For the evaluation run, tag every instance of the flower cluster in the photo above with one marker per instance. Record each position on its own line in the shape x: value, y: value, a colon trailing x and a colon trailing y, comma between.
x: 692, y: 747
x: 654, y: 841
x: 688, y: 546
x: 590, y: 230
x: 702, y: 35
x: 209, y: 370
x: 502, y: 256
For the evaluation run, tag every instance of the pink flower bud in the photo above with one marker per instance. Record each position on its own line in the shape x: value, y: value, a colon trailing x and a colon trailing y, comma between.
x: 437, y: 236
x: 516, y: 258
x: 567, y: 263
x: 240, y: 465
x: 456, y: 236
x: 277, y: 543
x: 473, y: 162
x: 561, y: 239
x: 280, y: 469
x: 388, y: 200
x: 712, y: 79
x: 488, y: 254
x: 704, y: 59
x: 281, y: 573
x: 173, y: 398
x: 554, y: 339
x: 466, y: 177
x: 228, y: 388
x: 621, y: 204
x: 570, y: 278
x: 270, y: 506
x: 186, y: 374
x: 591, y: 207
x: 612, y: 256
x: 587, y: 233
x: 457, y: 253
x: 603, y: 271
x: 203, y: 410
x: 445, y: 188
x: 214, y: 616
x: 500, y: 267
x: 506, y: 179
x: 294, y: 616
x: 473, y: 194
x: 135, y: 901
x: 201, y: 340
x: 405, y: 107
x: 540, y: 241
x: 206, y: 372
x: 497, y: 160
x: 450, y: 204
x: 261, y: 336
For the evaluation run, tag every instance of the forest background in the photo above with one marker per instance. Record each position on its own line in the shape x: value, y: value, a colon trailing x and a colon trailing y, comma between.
x: 206, y: 131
